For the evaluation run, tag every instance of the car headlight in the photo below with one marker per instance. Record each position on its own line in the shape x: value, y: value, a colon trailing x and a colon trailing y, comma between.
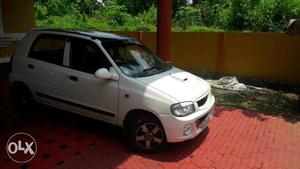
x: 183, y: 109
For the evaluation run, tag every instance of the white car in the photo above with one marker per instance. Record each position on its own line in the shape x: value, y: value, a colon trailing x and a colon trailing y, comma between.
x: 114, y: 79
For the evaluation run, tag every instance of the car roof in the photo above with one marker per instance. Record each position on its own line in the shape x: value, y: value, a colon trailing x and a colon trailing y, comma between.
x: 102, y: 36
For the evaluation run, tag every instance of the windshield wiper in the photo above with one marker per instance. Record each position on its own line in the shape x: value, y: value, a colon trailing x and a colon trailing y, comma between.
x: 157, y: 67
x: 149, y: 71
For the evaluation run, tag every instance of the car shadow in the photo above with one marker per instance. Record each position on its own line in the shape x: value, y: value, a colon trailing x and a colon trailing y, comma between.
x: 114, y: 138
x: 115, y: 134
x: 58, y: 131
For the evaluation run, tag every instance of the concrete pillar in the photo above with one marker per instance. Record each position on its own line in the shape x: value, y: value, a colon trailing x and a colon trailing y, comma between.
x: 164, y: 25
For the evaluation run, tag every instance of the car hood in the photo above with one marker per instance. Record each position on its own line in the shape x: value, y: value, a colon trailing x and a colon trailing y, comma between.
x: 178, y: 84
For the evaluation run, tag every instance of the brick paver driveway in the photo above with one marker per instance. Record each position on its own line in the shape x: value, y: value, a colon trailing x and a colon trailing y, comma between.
x: 234, y: 139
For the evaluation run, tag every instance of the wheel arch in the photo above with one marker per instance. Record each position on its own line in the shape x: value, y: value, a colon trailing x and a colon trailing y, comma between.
x: 137, y: 113
x: 19, y: 84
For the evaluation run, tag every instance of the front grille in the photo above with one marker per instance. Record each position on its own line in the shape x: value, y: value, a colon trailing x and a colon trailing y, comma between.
x: 202, y: 101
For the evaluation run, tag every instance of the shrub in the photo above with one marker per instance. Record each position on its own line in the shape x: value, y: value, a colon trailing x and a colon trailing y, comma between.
x: 273, y: 15
x: 186, y: 16
x: 203, y: 29
x: 219, y: 15
x: 113, y: 14
x: 41, y: 11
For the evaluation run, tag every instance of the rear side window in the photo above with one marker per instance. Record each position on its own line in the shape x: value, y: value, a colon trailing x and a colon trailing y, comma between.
x: 48, y: 48
x: 86, y: 56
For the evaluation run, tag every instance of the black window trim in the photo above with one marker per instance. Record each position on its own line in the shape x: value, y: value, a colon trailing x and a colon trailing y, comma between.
x: 66, y: 56
x: 38, y: 37
x: 68, y: 40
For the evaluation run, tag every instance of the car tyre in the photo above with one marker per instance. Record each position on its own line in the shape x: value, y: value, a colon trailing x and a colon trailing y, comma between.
x: 22, y: 98
x: 147, y: 135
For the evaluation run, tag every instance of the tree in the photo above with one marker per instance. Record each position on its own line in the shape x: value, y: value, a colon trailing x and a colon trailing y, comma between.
x: 186, y: 16
x: 177, y: 4
x: 197, y: 15
x: 241, y: 13
x: 88, y: 7
x: 135, y: 7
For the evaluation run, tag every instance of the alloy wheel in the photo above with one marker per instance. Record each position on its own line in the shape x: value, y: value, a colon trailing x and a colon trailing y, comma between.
x: 149, y: 136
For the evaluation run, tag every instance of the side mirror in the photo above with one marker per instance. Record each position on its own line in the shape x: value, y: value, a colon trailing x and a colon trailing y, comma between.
x: 103, y: 73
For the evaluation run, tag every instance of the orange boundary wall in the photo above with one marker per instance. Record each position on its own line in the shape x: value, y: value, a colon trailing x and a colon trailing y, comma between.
x: 272, y: 56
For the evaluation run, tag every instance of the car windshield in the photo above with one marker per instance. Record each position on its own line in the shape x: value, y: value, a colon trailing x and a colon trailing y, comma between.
x: 134, y: 59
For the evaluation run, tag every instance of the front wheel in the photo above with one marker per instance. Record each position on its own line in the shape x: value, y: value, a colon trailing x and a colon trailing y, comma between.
x: 147, y: 135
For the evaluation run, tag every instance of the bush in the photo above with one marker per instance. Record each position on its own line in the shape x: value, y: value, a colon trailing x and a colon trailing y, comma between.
x: 204, y: 15
x: 272, y: 15
x: 41, y: 11
x: 241, y: 14
x: 113, y: 14
x: 203, y: 29
x: 222, y: 19
x: 56, y: 7
x: 186, y: 16
x: 208, y: 12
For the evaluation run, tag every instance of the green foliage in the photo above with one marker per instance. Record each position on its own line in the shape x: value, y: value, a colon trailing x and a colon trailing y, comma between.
x: 114, y: 14
x: 262, y: 15
x: 203, y: 29
x: 145, y: 21
x: 56, y: 7
x: 135, y: 7
x: 214, y: 13
x: 240, y: 17
x: 177, y: 4
x: 272, y: 15
x: 111, y: 17
x: 222, y: 19
x: 41, y: 11
x: 135, y: 15
x: 187, y: 16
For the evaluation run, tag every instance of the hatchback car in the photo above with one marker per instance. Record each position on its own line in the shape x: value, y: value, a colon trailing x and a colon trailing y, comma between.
x: 114, y: 79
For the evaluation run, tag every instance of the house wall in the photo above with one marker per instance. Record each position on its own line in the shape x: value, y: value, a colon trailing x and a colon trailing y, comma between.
x: 16, y: 17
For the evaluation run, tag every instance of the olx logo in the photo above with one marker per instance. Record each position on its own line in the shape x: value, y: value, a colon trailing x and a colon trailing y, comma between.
x: 21, y: 147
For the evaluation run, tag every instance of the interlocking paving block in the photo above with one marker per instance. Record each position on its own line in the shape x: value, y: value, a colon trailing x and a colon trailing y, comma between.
x: 235, y: 138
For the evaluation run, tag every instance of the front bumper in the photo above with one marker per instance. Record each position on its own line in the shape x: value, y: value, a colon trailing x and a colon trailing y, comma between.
x: 174, y: 126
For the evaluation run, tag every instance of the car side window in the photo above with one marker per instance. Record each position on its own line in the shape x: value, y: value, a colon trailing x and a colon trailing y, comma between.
x: 86, y: 56
x: 48, y: 48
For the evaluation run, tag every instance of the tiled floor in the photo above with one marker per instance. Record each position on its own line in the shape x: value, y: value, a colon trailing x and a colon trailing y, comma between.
x: 234, y: 139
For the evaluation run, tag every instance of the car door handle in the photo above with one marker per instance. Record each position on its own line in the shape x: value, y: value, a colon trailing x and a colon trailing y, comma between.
x: 73, y: 78
x: 30, y: 66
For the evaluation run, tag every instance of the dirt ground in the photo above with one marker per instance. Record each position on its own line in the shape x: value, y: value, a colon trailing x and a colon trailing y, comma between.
x: 261, y: 100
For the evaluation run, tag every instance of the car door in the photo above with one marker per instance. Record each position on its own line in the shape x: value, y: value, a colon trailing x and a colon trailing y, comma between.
x: 95, y: 97
x: 44, y: 65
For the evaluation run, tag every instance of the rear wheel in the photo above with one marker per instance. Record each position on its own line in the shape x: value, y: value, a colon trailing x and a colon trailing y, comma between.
x: 147, y: 135
x: 22, y: 98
